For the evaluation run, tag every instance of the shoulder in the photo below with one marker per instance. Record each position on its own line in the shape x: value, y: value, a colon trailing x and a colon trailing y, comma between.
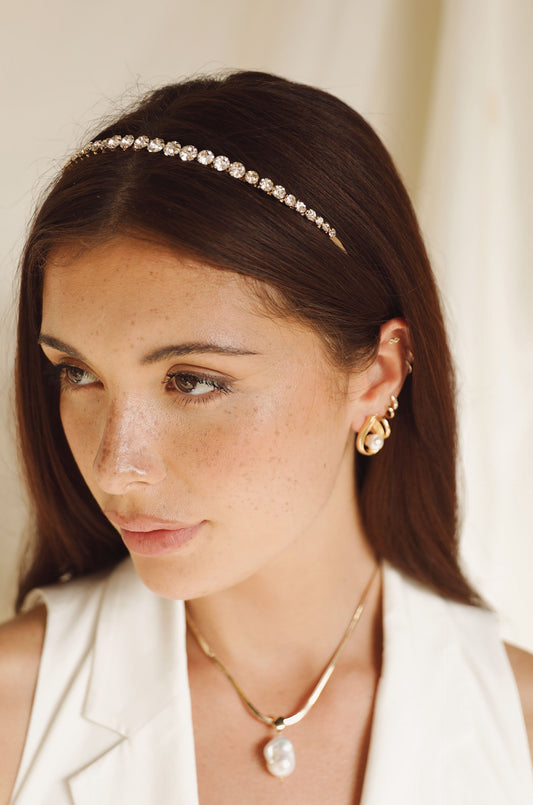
x: 21, y: 642
x: 65, y: 613
x: 522, y: 665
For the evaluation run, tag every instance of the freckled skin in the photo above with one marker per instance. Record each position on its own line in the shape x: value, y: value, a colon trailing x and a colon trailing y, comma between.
x: 267, y: 466
x: 281, y: 558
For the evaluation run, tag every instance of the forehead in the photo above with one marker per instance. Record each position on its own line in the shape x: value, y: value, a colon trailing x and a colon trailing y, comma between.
x: 133, y: 270
x: 132, y: 291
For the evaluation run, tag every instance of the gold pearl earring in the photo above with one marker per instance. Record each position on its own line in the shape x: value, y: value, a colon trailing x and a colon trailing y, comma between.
x: 375, y: 430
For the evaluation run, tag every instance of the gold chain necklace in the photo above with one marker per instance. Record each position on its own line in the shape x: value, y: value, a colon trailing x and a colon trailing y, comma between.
x: 279, y: 752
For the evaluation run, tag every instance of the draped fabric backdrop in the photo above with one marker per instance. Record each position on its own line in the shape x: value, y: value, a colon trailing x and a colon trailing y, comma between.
x: 447, y: 84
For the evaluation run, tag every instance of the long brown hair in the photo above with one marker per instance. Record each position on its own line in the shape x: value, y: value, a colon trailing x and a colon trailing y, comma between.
x: 325, y: 153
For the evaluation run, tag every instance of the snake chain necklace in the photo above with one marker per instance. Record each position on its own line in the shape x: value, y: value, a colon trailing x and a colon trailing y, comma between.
x: 279, y: 751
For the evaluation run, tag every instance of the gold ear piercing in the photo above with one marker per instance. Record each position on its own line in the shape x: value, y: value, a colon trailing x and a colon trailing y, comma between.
x: 393, y: 407
x: 375, y: 430
x: 410, y: 357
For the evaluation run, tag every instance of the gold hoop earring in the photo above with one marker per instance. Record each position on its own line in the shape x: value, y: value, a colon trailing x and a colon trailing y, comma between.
x: 375, y: 430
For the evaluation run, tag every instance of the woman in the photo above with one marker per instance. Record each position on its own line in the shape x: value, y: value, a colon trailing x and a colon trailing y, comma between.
x: 232, y: 369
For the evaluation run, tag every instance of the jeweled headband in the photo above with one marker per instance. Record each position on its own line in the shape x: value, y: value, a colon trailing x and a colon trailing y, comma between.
x: 223, y: 164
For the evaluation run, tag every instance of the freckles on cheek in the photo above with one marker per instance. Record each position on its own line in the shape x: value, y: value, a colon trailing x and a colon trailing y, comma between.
x: 251, y: 455
x: 227, y: 449
x: 80, y: 433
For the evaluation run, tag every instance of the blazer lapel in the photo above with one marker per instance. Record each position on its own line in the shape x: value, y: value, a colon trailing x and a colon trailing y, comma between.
x: 138, y: 689
x: 446, y: 724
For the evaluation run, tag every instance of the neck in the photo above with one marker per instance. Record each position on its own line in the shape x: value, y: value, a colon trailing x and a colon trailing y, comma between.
x: 285, y: 622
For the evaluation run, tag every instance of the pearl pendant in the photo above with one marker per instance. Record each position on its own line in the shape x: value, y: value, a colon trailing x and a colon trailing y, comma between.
x: 279, y: 756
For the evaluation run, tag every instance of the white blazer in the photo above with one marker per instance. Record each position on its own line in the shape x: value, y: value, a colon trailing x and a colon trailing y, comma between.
x: 111, y: 721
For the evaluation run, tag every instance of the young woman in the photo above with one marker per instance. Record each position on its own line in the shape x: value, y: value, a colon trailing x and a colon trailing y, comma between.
x: 236, y: 417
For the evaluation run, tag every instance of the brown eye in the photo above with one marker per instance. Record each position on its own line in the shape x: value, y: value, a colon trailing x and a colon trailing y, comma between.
x: 186, y: 383
x: 195, y: 385
x: 77, y: 376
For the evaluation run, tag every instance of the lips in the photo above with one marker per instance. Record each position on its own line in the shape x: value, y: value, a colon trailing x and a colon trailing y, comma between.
x: 143, y: 522
x: 149, y: 536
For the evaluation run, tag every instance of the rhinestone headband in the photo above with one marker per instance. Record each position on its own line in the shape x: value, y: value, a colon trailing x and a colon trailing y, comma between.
x: 223, y: 164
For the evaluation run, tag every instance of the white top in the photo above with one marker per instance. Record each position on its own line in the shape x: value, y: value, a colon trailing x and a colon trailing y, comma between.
x: 111, y: 721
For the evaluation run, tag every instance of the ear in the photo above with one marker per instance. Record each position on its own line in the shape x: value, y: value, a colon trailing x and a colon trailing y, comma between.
x: 372, y: 388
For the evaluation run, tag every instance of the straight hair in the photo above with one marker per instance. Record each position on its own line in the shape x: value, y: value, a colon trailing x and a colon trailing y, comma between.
x: 326, y: 154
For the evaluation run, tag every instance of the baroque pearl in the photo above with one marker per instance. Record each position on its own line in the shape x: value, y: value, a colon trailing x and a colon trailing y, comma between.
x: 279, y: 756
x: 374, y: 442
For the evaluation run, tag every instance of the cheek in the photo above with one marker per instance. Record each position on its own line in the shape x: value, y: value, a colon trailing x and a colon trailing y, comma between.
x: 81, y: 431
x: 266, y: 456
x: 272, y: 454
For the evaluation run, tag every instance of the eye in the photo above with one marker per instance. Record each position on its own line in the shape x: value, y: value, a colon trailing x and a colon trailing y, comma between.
x: 75, y: 376
x: 195, y: 385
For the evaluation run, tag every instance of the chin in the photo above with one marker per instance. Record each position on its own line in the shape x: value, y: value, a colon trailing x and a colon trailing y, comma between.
x: 166, y: 576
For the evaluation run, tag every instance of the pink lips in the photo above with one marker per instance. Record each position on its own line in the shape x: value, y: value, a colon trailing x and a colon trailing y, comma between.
x: 148, y: 536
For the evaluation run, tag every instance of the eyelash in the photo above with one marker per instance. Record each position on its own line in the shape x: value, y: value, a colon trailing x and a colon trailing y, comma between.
x: 58, y: 372
x: 217, y: 385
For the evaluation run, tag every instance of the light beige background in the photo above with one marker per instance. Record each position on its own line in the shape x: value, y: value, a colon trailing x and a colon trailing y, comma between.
x: 447, y: 83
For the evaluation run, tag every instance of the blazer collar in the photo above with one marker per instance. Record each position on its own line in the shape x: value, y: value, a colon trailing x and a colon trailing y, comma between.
x: 139, y: 660
x: 138, y: 689
x: 447, y: 723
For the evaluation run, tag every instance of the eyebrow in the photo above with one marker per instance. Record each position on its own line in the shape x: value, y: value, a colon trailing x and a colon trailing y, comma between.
x: 164, y: 353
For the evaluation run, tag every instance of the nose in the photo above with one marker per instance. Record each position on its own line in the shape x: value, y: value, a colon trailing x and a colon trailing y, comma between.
x: 130, y: 448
